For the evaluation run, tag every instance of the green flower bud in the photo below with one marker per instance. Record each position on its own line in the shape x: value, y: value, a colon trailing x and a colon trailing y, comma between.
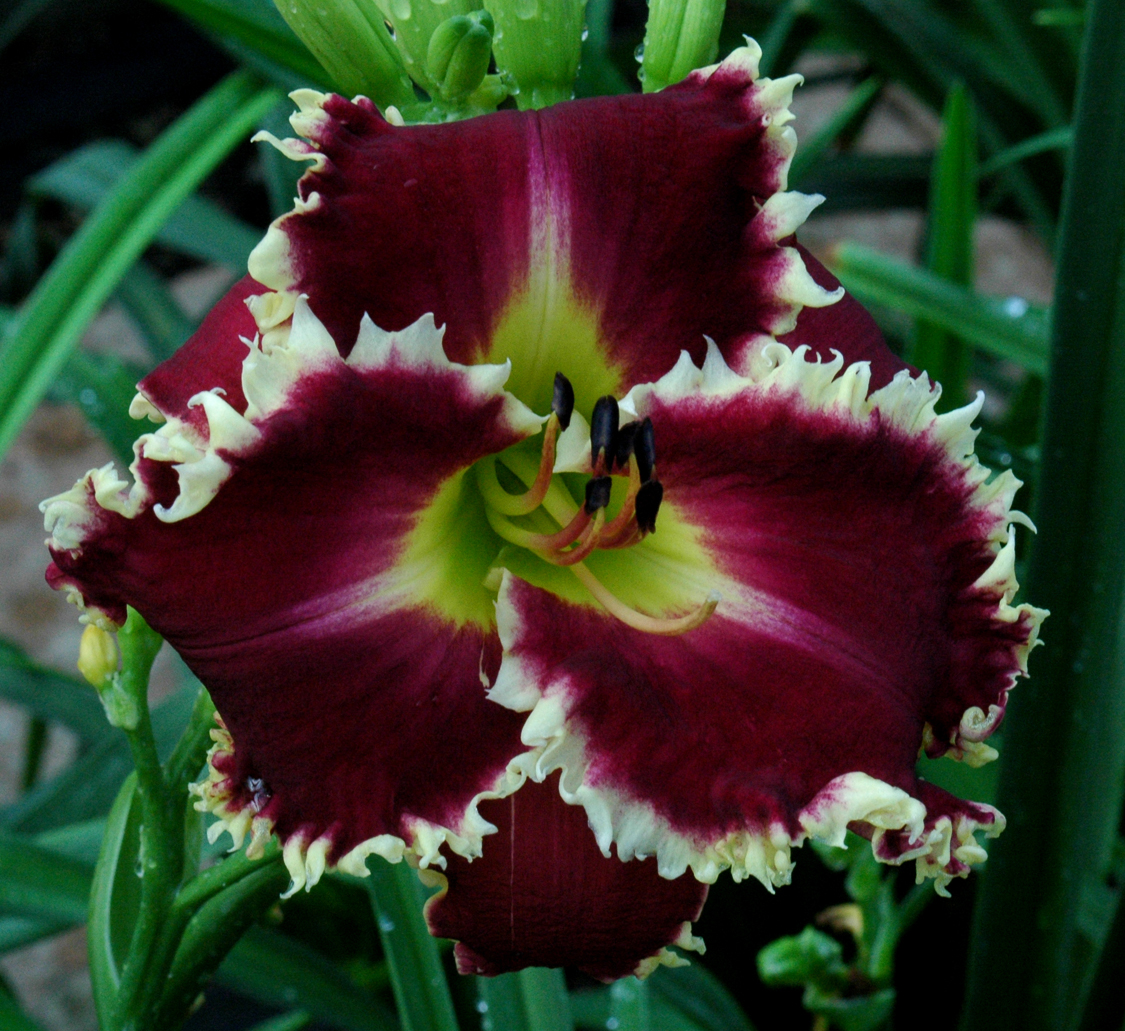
x: 811, y: 957
x: 351, y: 41
x: 415, y: 22
x: 458, y: 55
x: 680, y: 36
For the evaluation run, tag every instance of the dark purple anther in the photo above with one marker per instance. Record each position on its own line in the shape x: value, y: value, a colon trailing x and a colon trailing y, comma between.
x: 644, y: 447
x: 597, y: 493
x: 603, y: 427
x: 623, y: 444
x: 562, y: 404
x: 648, y: 504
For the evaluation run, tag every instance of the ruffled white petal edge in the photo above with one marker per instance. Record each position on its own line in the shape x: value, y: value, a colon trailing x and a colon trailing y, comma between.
x: 306, y: 857
x: 294, y: 345
x: 943, y: 848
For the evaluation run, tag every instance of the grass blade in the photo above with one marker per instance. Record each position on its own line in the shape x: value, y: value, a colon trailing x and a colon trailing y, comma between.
x: 1064, y: 740
x: 86, y: 176
x: 111, y: 239
x: 1053, y: 139
x: 1011, y: 329
x: 421, y: 991
x: 949, y: 250
x: 39, y: 882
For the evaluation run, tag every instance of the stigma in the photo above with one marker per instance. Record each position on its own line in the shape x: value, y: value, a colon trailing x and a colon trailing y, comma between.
x: 623, y: 451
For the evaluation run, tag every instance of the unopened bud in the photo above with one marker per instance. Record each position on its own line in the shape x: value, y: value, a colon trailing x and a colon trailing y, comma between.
x: 459, y: 52
x: 680, y: 36
x: 97, y: 655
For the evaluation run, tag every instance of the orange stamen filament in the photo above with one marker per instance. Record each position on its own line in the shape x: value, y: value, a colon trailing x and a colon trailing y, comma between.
x: 532, y: 498
x: 586, y: 544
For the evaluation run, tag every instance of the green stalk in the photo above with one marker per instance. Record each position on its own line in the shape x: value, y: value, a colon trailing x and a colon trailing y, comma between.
x: 161, y: 855
x: 1064, y: 742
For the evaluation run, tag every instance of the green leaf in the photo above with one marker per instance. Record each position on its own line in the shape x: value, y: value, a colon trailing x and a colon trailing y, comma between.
x: 1063, y: 770
x: 198, y: 227
x: 534, y: 999
x: 16, y: 932
x: 285, y: 1022
x: 698, y: 994
x: 630, y: 1008
x: 279, y: 971
x: 1053, y: 139
x: 545, y: 1000
x: 12, y: 1018
x: 843, y: 122
x: 203, y: 941
x: 51, y: 695
x: 949, y: 250
x: 87, y: 788
x: 1012, y: 330
x: 40, y: 882
x: 111, y: 239
x: 417, y: 977
x: 861, y: 182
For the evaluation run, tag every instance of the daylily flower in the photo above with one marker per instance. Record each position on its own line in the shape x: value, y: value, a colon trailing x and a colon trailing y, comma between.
x: 537, y: 512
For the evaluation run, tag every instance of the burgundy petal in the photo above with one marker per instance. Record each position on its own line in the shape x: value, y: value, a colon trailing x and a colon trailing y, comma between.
x: 653, y: 220
x: 280, y: 554
x: 543, y: 895
x: 865, y: 567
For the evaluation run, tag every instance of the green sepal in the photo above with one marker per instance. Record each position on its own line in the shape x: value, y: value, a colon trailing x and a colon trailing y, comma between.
x: 680, y: 36
x: 114, y: 899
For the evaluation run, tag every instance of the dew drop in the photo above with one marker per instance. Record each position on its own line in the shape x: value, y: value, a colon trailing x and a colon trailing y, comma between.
x: 87, y: 397
x: 527, y: 9
x: 639, y: 53
x: 386, y: 924
x: 612, y: 1024
x: 585, y: 33
x: 1015, y: 307
x: 400, y: 9
x: 486, y: 1024
x: 482, y: 1006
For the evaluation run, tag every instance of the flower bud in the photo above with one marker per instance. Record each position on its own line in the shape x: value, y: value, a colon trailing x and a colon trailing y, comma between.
x: 97, y: 655
x: 351, y: 41
x: 680, y: 36
x: 458, y: 55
